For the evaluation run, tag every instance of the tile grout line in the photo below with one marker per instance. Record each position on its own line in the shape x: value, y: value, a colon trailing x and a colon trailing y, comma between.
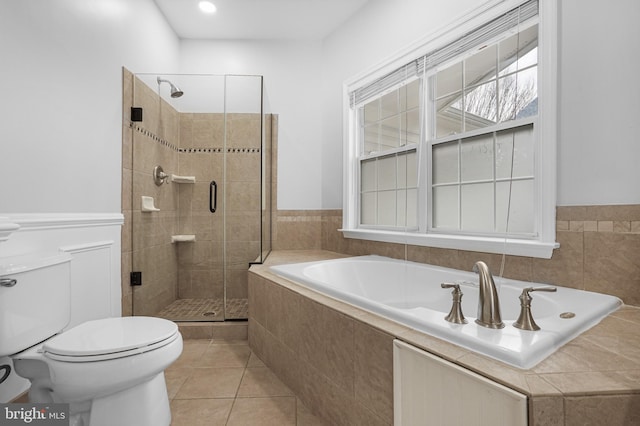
x: 235, y: 397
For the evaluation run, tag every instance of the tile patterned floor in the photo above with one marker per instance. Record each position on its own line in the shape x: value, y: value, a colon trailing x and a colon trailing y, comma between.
x: 205, y: 310
x: 224, y: 383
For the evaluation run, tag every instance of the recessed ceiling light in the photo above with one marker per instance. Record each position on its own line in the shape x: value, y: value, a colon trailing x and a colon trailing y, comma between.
x: 207, y: 7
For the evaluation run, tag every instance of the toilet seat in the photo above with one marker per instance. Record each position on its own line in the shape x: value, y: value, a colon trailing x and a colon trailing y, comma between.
x: 110, y: 338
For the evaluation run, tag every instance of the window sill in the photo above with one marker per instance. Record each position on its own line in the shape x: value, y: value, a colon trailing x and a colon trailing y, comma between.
x: 515, y: 247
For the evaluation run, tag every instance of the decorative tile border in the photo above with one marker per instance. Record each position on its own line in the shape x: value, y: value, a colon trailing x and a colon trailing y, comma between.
x: 622, y: 226
x: 623, y: 219
x: 200, y: 150
x: 173, y: 147
x: 243, y: 150
x: 153, y: 136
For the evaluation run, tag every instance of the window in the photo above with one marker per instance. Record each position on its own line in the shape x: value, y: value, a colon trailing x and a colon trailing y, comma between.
x: 482, y: 138
x: 453, y: 148
x: 389, y: 135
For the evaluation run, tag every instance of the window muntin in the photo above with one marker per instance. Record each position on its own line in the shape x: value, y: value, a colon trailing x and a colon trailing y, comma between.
x: 496, y: 84
x: 390, y: 132
x: 485, y: 105
x: 391, y: 120
x: 389, y: 190
x: 476, y: 190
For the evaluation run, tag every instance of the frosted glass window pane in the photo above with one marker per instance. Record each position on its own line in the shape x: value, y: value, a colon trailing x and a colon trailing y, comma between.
x: 445, y: 207
x: 477, y: 207
x: 368, y: 208
x: 521, y: 216
x: 477, y: 158
x: 402, y: 171
x: 481, y: 66
x: 523, y: 156
x: 407, y: 208
x: 389, y: 105
x: 372, y: 111
x: 390, y: 133
x: 401, y: 208
x: 519, y: 95
x: 412, y: 208
x: 412, y: 169
x: 368, y: 175
x: 387, y: 208
x: 387, y: 173
x: 445, y: 162
x: 370, y: 139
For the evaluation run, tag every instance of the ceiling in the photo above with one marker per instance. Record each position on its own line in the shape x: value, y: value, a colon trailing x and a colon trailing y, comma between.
x: 258, y: 19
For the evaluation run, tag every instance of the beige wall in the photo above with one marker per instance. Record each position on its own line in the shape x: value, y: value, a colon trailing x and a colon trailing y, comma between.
x: 599, y: 248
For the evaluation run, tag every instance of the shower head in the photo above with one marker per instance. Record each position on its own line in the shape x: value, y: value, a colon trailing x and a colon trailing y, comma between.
x: 175, y: 92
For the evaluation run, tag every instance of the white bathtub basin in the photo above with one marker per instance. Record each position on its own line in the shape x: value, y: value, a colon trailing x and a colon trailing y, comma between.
x: 410, y: 293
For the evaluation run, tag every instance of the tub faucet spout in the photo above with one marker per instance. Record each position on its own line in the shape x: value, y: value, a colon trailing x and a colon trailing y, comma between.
x: 488, y: 302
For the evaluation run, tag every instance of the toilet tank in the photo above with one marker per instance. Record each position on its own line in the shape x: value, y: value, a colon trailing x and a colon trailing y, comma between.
x: 35, y: 299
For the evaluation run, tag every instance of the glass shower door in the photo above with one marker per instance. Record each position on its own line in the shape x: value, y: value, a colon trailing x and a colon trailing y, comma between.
x: 243, y: 188
x: 208, y: 221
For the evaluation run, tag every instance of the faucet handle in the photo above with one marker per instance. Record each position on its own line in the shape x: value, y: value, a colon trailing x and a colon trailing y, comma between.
x: 525, y: 320
x: 530, y: 289
x: 454, y: 286
x: 455, y: 315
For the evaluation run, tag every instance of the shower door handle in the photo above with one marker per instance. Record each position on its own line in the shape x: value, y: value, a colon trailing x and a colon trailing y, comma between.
x: 213, y: 196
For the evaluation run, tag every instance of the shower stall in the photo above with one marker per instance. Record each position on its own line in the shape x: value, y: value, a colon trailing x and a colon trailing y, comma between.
x: 200, y: 215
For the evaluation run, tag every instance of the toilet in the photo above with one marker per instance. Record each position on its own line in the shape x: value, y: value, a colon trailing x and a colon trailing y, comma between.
x: 110, y: 371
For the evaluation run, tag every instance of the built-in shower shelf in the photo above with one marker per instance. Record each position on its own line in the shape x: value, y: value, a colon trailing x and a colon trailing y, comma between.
x: 183, y: 239
x: 183, y: 179
x: 148, y: 204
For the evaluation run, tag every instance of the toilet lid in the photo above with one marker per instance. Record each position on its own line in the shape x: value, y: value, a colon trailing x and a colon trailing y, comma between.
x: 110, y: 338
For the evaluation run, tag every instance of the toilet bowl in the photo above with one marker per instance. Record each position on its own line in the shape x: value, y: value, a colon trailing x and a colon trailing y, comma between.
x: 110, y: 371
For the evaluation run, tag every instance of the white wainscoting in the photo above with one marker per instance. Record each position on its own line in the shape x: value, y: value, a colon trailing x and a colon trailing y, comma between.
x: 94, y: 242
x: 91, y: 278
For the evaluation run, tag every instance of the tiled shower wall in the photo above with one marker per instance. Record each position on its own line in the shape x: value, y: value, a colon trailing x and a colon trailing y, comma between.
x: 201, y: 264
x: 188, y: 144
x: 146, y: 236
x: 599, y: 248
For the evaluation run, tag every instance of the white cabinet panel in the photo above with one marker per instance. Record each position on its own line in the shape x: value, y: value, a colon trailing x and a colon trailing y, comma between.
x: 431, y: 391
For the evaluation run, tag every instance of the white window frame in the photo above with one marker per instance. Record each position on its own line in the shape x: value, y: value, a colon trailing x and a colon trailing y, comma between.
x: 546, y: 131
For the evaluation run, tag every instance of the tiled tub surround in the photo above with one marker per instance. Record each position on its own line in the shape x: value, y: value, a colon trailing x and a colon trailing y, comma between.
x: 338, y: 358
x: 410, y: 293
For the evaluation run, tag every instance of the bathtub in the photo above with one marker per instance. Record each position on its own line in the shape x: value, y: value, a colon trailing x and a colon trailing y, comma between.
x: 410, y: 293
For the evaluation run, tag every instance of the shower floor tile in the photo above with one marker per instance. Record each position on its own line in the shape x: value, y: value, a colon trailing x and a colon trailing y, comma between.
x: 205, y: 310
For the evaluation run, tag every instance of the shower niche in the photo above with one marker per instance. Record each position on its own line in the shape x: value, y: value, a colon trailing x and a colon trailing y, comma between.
x: 211, y: 139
